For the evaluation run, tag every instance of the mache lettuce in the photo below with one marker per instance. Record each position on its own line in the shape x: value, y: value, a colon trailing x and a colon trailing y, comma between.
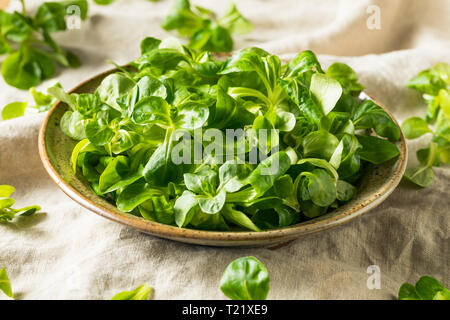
x: 305, y: 137
x: 434, y: 83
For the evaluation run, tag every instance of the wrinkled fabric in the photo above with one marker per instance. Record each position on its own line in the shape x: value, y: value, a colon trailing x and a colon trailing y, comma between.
x: 68, y: 252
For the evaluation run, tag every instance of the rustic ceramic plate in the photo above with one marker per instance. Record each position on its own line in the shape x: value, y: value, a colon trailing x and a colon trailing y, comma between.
x: 56, y: 148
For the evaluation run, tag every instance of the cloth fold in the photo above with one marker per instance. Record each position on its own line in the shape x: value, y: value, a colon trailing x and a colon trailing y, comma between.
x: 68, y: 252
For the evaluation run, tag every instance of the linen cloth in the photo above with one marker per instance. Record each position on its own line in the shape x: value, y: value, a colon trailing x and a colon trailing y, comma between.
x: 68, y: 252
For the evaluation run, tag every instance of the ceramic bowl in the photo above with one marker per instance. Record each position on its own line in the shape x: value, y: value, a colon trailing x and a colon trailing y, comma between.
x: 55, y: 149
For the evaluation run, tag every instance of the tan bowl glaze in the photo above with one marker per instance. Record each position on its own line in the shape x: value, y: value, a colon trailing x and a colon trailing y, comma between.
x: 55, y: 150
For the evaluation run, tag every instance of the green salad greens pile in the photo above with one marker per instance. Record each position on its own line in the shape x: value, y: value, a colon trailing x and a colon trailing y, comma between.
x: 435, y: 85
x: 32, y: 52
x: 426, y: 288
x: 6, y: 202
x: 37, y: 101
x: 152, y: 137
x: 204, y: 30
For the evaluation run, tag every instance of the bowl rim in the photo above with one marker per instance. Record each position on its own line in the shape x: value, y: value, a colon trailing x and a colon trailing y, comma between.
x: 221, y: 238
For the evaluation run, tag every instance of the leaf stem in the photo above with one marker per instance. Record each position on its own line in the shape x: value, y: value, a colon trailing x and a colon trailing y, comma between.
x: 24, y: 11
x: 243, y: 92
x: 432, y: 154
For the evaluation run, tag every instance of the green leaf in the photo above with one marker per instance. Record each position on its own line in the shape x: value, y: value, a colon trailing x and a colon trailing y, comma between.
x: 225, y: 105
x: 350, y: 159
x: 301, y: 96
x: 345, y: 191
x: 161, y: 58
x: 104, y: 2
x: 14, y: 27
x: 151, y: 86
x: 281, y: 216
x: 45, y: 63
x: 269, y: 170
x: 235, y: 22
x: 134, y: 195
x: 423, y: 176
x: 192, y: 116
x: 346, y: 76
x: 163, y: 209
x: 303, y: 62
x: 247, y: 60
x: 89, y: 104
x: 311, y: 210
x: 442, y: 295
x: 238, y: 218
x: 160, y: 170
x: 59, y: 93
x: 203, y: 182
x: 99, y: 133
x: 335, y: 159
x: 245, y: 279
x: 441, y: 135
x: 283, y: 186
x: 319, y: 144
x: 14, y: 110
x: 376, y: 150
x: 444, y: 102
x: 265, y: 141
x: 149, y: 44
x: 117, y: 175
x: 20, y: 70
x: 415, y: 127
x: 444, y: 155
x: 205, y: 221
x: 318, y: 186
x: 213, y: 38
x: 113, y: 87
x: 183, y: 19
x: 431, y: 80
x: 326, y: 91
x: 50, y: 17
x: 6, y: 191
x: 370, y: 115
x: 285, y: 121
x: 6, y: 203
x: 73, y: 125
x: 408, y: 292
x: 4, y: 45
x: 6, y: 212
x: 212, y: 204
x: 152, y: 110
x: 76, y: 152
x: 140, y: 293
x: 232, y: 175
x: 5, y: 284
x: 27, y: 211
x: 184, y: 208
x: 43, y: 101
x: 320, y: 163
x: 427, y: 287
